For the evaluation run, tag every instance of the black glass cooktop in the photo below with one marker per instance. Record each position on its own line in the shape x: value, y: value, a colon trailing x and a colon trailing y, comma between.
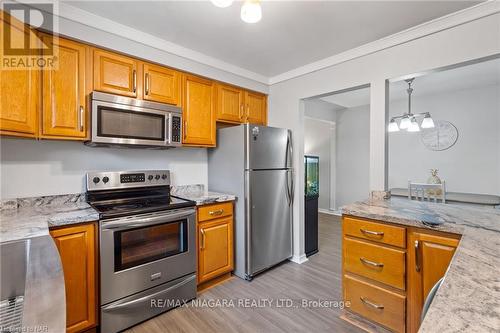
x: 115, y: 204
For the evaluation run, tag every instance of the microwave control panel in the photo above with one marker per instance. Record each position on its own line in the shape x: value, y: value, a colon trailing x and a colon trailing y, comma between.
x: 176, y: 129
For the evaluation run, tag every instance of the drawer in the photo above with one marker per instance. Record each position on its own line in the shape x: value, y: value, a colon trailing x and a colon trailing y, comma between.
x: 374, y: 231
x: 375, y: 303
x: 214, y: 211
x: 375, y: 262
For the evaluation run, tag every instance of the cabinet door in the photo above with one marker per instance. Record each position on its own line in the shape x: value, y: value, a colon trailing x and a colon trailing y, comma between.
x: 77, y: 248
x: 19, y: 89
x: 429, y: 256
x: 116, y: 74
x: 64, y: 111
x: 215, y: 254
x: 230, y: 106
x: 161, y: 84
x: 256, y: 108
x: 198, y: 111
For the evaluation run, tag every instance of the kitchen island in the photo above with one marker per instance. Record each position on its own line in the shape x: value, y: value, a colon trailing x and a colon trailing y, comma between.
x: 469, y: 297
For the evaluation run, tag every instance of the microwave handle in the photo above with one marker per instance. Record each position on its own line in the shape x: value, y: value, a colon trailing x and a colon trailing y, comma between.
x: 126, y: 223
x: 168, y: 126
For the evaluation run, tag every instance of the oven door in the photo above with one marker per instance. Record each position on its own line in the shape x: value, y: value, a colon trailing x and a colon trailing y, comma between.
x: 114, y: 123
x: 143, y: 251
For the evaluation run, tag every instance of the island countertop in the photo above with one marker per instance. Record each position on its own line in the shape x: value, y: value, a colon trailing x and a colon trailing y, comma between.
x: 469, y: 298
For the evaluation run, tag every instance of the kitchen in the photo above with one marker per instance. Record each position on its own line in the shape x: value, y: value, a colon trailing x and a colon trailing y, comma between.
x: 105, y: 59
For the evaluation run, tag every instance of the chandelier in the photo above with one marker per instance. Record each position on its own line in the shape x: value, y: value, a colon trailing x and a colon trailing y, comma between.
x: 409, y: 121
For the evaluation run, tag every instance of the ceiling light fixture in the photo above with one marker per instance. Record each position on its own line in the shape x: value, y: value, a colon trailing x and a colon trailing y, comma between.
x: 409, y: 120
x: 222, y: 3
x: 251, y: 12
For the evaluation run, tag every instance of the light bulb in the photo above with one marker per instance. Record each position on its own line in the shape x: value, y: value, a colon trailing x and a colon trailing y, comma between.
x: 393, y: 126
x: 405, y: 123
x: 251, y: 12
x: 427, y: 122
x: 413, y: 126
x: 222, y: 3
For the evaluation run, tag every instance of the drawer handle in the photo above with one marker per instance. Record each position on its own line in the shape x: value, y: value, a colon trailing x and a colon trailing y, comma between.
x: 372, y: 233
x: 371, y: 263
x: 373, y: 305
x: 216, y: 212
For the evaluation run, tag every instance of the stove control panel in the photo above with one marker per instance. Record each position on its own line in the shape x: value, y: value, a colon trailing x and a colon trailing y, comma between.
x: 126, y: 179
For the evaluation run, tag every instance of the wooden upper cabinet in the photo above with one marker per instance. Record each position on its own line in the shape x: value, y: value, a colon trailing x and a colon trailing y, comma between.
x: 215, y: 255
x: 77, y: 249
x: 19, y: 89
x: 64, y: 107
x: 230, y: 105
x: 198, y: 111
x: 161, y: 84
x: 429, y: 256
x: 116, y: 74
x: 256, y: 108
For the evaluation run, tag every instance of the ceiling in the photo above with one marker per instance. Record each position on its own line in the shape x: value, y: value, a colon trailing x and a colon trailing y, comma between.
x: 291, y: 33
x: 462, y: 78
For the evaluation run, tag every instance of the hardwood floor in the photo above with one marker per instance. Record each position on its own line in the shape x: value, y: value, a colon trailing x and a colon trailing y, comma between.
x: 317, y: 279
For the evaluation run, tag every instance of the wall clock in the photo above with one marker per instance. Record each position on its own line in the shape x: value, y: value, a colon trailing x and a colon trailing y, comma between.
x: 441, y: 137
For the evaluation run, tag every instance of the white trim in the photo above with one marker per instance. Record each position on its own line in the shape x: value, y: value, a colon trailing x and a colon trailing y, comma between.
x: 98, y: 22
x: 299, y: 259
x: 428, y: 28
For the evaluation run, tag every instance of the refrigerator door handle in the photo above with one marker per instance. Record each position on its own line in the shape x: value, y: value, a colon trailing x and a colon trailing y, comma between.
x: 288, y: 195
x: 292, y: 189
x: 289, y: 150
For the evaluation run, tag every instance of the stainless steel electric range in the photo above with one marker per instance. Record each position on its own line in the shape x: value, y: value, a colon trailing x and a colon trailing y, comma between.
x: 147, y: 246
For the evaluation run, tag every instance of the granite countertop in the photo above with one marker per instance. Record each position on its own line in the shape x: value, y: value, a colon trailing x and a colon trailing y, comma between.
x: 200, y: 195
x: 32, y: 217
x: 469, y: 298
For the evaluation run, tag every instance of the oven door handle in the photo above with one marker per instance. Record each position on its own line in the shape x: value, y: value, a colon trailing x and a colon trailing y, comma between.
x: 147, y: 298
x: 125, y: 223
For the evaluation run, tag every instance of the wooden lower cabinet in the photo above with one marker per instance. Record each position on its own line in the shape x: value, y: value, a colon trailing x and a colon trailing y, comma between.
x: 386, y: 280
x: 215, y: 241
x: 378, y: 304
x: 429, y: 255
x: 77, y: 247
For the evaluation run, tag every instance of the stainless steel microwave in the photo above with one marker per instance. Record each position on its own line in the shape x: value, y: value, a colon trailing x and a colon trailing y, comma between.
x: 118, y: 120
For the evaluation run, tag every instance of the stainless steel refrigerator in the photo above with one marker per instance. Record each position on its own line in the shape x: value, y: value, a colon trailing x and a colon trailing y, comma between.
x: 254, y: 163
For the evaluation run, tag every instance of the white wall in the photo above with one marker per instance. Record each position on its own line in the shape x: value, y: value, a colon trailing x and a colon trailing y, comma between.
x: 319, y: 140
x: 353, y: 155
x: 34, y: 168
x: 465, y: 42
x: 472, y: 164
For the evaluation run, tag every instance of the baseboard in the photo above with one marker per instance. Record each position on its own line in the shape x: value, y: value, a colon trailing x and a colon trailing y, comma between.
x: 330, y: 212
x: 299, y: 259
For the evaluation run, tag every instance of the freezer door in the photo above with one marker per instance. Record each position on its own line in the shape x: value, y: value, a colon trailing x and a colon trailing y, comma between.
x: 269, y: 229
x: 267, y: 147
